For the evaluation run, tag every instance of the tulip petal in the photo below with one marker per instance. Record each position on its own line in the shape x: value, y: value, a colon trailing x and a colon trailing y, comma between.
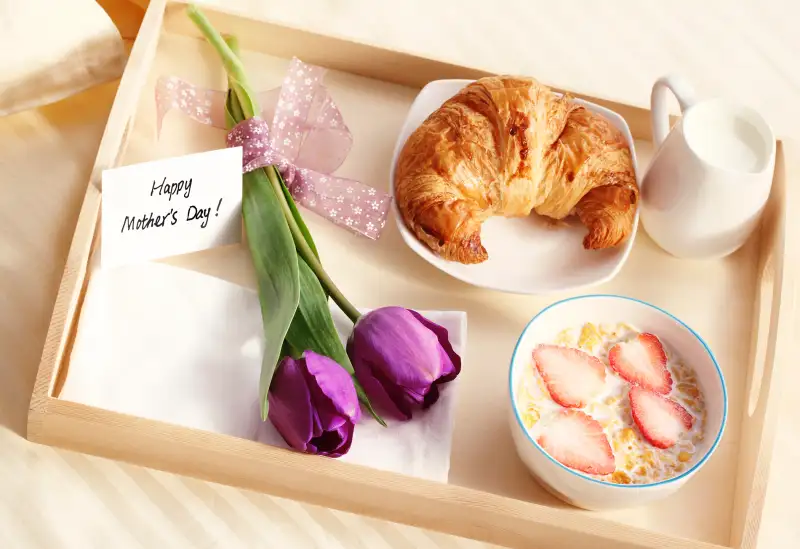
x: 378, y: 395
x: 449, y: 374
x: 345, y: 433
x: 431, y: 397
x: 328, y: 442
x: 332, y: 391
x: 399, y: 357
x: 290, y: 407
x: 334, y: 443
x: 402, y: 397
x: 318, y: 427
x: 397, y: 344
x: 335, y: 422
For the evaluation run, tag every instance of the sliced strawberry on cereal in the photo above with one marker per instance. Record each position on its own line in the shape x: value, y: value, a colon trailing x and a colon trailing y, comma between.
x: 578, y: 441
x: 661, y: 420
x: 572, y: 377
x: 643, y: 362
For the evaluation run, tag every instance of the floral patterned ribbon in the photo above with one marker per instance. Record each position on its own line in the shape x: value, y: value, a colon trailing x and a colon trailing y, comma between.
x: 308, y: 140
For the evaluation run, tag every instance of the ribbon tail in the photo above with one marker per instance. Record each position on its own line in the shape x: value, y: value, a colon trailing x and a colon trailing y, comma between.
x: 200, y: 104
x: 345, y: 202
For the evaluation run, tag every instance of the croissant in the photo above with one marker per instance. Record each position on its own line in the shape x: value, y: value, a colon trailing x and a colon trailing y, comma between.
x: 507, y: 146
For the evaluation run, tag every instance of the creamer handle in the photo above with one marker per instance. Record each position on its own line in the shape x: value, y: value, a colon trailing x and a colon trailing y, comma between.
x: 681, y: 89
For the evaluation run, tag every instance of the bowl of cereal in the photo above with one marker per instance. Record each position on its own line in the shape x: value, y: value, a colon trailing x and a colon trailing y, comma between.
x: 615, y: 402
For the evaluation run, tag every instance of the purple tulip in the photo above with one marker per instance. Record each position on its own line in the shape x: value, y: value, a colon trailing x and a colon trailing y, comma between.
x: 313, y: 405
x: 400, y: 358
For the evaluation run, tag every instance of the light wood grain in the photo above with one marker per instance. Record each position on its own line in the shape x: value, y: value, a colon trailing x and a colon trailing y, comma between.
x: 477, y: 503
x: 247, y: 464
x: 776, y: 318
x: 744, y: 50
x: 73, y: 279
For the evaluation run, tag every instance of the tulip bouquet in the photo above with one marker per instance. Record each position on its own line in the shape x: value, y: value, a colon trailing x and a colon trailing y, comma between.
x: 311, y: 385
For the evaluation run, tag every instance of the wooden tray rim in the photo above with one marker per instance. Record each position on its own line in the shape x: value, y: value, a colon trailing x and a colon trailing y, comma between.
x: 443, y: 507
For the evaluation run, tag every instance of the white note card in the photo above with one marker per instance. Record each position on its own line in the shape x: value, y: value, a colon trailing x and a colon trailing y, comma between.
x: 171, y: 207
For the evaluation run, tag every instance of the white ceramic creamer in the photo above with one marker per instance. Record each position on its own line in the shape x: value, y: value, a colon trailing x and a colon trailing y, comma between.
x: 711, y: 175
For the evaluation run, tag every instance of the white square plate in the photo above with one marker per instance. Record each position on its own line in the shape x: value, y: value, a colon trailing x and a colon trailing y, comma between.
x: 526, y: 256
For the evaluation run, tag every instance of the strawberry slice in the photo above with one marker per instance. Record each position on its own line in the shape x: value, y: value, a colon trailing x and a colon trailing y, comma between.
x: 661, y: 420
x: 572, y: 377
x: 578, y: 441
x: 642, y: 362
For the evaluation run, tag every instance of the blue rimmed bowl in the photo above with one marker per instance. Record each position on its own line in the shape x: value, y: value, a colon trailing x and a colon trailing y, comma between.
x: 583, y: 490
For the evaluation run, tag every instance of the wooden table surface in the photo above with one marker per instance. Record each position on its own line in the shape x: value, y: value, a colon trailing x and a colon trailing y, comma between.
x: 55, y: 499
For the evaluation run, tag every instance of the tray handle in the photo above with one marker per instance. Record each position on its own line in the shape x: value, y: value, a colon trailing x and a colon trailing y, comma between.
x: 765, y: 336
x: 775, y: 312
x: 775, y: 298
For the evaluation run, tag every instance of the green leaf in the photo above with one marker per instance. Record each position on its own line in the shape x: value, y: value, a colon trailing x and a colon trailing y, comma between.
x: 304, y: 250
x: 313, y: 329
x: 234, y: 115
x: 273, y: 224
x: 233, y: 108
x: 276, y: 265
x: 299, y: 220
x: 288, y: 350
x: 297, y: 217
x: 230, y: 105
x: 274, y: 256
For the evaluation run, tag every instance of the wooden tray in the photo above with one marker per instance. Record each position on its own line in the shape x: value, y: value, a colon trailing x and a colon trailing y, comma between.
x: 743, y: 306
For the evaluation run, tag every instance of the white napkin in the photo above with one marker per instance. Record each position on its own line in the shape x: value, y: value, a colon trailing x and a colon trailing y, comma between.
x: 178, y: 346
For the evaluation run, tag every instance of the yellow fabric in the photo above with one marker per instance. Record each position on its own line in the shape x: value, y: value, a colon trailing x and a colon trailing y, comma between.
x: 53, y: 49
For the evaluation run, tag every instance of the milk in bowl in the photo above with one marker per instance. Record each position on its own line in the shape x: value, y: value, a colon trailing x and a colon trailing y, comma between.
x: 610, y: 393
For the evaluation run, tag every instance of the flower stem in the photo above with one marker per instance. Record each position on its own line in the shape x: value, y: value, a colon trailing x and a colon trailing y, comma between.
x: 307, y: 254
x: 231, y: 62
x: 233, y: 108
x: 249, y: 108
x: 240, y: 105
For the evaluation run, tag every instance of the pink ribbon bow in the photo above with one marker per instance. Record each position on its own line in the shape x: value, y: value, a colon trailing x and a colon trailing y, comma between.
x: 308, y: 140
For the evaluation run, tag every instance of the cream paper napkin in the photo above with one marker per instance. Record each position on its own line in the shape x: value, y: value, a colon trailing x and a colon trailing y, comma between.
x: 51, y: 49
x: 174, y: 345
